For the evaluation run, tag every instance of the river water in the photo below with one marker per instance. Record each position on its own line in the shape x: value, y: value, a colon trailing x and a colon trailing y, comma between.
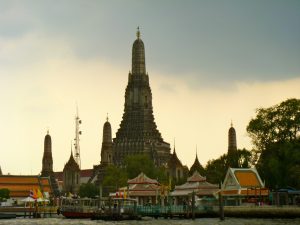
x: 150, y: 221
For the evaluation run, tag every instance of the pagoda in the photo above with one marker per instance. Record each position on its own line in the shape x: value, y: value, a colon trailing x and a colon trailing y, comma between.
x: 138, y: 133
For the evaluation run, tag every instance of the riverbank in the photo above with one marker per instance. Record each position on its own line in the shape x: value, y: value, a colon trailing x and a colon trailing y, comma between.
x: 262, y: 211
x: 151, y: 221
x: 45, y: 211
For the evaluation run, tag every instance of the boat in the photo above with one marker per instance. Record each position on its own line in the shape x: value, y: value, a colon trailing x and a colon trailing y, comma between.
x: 78, y: 207
x: 7, y: 216
x: 117, y: 209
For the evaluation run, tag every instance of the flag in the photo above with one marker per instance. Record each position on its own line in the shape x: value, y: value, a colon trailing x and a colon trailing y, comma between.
x: 39, y: 193
x: 33, y: 194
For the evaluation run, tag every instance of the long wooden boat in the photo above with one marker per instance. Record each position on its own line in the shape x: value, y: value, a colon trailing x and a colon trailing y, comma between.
x: 7, y: 216
x: 117, y: 209
x: 78, y: 207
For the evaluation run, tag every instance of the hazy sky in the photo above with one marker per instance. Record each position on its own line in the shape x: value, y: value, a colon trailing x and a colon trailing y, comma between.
x: 208, y: 62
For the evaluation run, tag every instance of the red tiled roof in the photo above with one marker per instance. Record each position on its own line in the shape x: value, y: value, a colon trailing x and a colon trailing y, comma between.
x: 142, y: 179
x: 20, y: 186
x: 86, y: 173
x: 196, y: 177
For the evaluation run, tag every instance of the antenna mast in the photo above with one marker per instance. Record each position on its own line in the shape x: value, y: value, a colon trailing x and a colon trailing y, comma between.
x: 76, y: 139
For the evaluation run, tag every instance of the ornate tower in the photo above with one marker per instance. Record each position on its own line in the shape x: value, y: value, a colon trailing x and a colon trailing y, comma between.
x: 138, y: 133
x: 231, y: 140
x: 47, y: 167
x: 106, y: 150
x: 232, y: 148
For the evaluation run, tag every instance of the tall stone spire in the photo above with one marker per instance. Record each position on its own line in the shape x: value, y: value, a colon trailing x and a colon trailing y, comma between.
x: 232, y: 146
x: 138, y: 133
x: 106, y: 150
x: 47, y: 167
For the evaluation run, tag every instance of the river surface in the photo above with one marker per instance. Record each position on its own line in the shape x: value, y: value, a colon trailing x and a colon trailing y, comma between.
x: 150, y: 221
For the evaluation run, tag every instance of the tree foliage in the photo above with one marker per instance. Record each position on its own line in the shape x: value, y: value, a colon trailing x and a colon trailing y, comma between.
x: 135, y: 164
x: 88, y: 190
x: 115, y: 178
x: 216, y: 169
x: 275, y: 134
x: 279, y: 165
x: 279, y: 123
x: 4, y: 193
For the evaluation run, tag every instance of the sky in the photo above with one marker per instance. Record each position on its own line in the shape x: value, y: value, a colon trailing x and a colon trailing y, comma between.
x: 209, y: 62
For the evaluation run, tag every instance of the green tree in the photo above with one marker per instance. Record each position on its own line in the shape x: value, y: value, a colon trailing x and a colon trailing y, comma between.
x: 275, y: 134
x: 114, y: 178
x: 216, y: 169
x: 88, y: 190
x: 279, y: 164
x: 279, y: 123
x: 4, y: 193
x: 135, y: 164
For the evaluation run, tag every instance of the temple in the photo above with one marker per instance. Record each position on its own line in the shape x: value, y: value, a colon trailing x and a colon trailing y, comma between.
x: 197, y: 184
x: 138, y: 133
x: 243, y: 185
x: 175, y: 169
x: 71, y: 176
x: 142, y: 188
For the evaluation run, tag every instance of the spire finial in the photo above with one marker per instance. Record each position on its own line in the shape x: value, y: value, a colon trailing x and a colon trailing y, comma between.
x: 138, y: 33
x: 47, y: 130
x: 107, y: 117
x: 196, y: 152
x: 71, y: 149
x: 174, y: 146
x: 231, y: 124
